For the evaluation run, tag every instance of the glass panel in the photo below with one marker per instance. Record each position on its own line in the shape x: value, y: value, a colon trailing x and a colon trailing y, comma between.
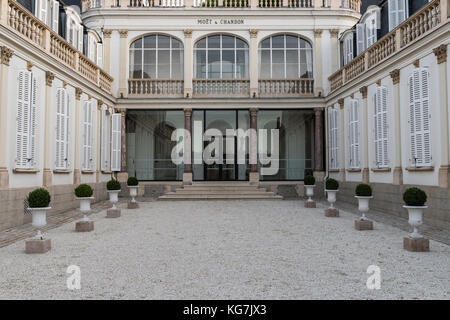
x: 243, y: 145
x: 228, y: 64
x: 278, y: 42
x: 137, y: 44
x: 241, y: 43
x: 265, y: 43
x: 149, y: 144
x: 201, y: 43
x: 150, y: 71
x: 278, y: 64
x: 197, y: 145
x: 291, y: 42
x: 137, y: 57
x: 241, y: 64
x: 177, y: 64
x: 214, y: 42
x: 265, y: 64
x: 163, y: 64
x: 214, y: 64
x: 150, y: 42
x: 228, y: 42
x: 201, y: 64
x: 176, y: 44
x: 291, y: 64
x: 163, y: 42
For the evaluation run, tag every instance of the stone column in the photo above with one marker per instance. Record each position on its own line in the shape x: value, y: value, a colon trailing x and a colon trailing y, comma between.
x: 47, y: 174
x: 318, y: 82
x: 364, y: 143
x: 107, y: 50
x: 5, y: 56
x: 123, y: 62
x: 187, y: 153
x: 342, y: 140
x: 253, y: 152
x: 253, y: 63
x: 444, y: 170
x: 188, y: 63
x: 398, y: 172
x: 334, y: 50
x: 76, y: 155
x: 318, y: 144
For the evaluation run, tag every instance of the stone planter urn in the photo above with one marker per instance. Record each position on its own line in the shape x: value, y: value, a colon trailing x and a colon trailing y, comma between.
x: 113, y: 197
x: 85, y: 203
x: 363, y: 206
x: 310, y: 203
x: 415, y: 199
x: 133, y: 193
x: 415, y: 214
x: 331, y: 198
x: 39, y: 216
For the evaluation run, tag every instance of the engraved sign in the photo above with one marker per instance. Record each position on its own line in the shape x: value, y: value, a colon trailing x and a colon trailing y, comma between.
x: 221, y: 21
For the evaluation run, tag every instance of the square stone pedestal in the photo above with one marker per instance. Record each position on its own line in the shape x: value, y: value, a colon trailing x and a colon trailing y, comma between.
x: 363, y: 225
x: 331, y: 212
x: 416, y: 244
x: 310, y: 204
x: 113, y: 213
x: 84, y: 226
x: 37, y: 245
x: 133, y: 205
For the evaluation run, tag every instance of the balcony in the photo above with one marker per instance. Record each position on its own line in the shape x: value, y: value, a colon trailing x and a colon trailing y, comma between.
x: 221, y: 88
x: 285, y: 88
x: 22, y: 22
x: 159, y: 88
x: 421, y: 23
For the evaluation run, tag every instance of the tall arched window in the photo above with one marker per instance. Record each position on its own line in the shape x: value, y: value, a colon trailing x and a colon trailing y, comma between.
x: 285, y: 57
x: 221, y: 57
x: 156, y: 57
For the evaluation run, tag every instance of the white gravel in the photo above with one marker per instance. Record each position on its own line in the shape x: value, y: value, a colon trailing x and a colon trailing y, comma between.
x: 225, y: 250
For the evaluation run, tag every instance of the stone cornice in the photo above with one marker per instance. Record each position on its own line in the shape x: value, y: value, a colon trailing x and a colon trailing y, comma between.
x: 5, y: 55
x: 441, y: 53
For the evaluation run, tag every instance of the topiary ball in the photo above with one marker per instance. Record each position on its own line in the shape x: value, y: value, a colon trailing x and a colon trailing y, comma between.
x: 113, y: 184
x: 132, y: 181
x: 84, y: 191
x: 39, y: 198
x: 363, y: 190
x: 331, y: 184
x: 415, y: 197
x: 309, y: 180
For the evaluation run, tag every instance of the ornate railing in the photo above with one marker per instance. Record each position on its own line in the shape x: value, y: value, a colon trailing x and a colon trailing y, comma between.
x: 213, y: 88
x: 155, y: 88
x: 285, y: 87
x: 21, y: 21
x: 220, y: 3
x: 415, y: 27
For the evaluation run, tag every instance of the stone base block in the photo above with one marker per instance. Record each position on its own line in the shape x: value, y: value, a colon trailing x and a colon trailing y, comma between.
x: 331, y: 212
x: 37, y: 245
x: 187, y: 178
x: 363, y: 225
x: 310, y: 204
x: 254, y: 178
x: 416, y: 244
x: 133, y: 205
x: 84, y: 226
x: 113, y: 213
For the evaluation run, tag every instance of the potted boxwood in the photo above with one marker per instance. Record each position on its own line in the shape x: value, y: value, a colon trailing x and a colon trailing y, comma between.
x: 363, y: 193
x: 331, y: 188
x: 113, y: 188
x: 132, y: 184
x: 38, y: 203
x: 309, y: 182
x: 415, y: 199
x: 84, y: 193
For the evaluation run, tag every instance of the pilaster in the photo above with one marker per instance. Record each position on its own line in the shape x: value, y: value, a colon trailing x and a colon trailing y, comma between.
x: 48, y: 138
x: 342, y: 146
x: 364, y: 135
x: 398, y: 172
x: 253, y: 62
x: 318, y: 140
x: 188, y: 63
x: 187, y: 152
x: 334, y: 50
x: 76, y: 155
x: 107, y: 50
x: 5, y: 56
x: 123, y: 63
x: 318, y: 82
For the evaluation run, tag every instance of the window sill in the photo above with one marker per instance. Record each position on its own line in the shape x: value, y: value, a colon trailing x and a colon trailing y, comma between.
x: 87, y: 171
x: 354, y: 170
x: 106, y: 171
x: 381, y: 169
x: 19, y: 170
x: 334, y: 171
x: 62, y: 171
x: 414, y: 169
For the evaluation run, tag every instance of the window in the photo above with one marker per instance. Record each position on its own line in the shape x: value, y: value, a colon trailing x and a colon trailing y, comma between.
x: 333, y: 136
x: 371, y: 31
x: 105, y: 152
x: 285, y: 57
x: 348, y: 48
x: 353, y: 133
x: 221, y: 57
x: 381, y: 128
x: 156, y: 57
x: 397, y: 12
x: 88, y: 160
x: 419, y: 117
x: 26, y: 121
x: 361, y: 38
x: 116, y: 133
x: 62, y: 129
x: 74, y: 31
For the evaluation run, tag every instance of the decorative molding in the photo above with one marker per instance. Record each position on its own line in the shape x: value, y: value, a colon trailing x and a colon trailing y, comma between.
x: 253, y: 33
x: 30, y: 65
x: 352, y: 96
x: 99, y: 104
x: 5, y: 54
x: 78, y: 93
x: 64, y: 84
x: 107, y: 33
x: 416, y: 63
x: 441, y: 53
x: 49, y: 77
x: 363, y: 91
x: 188, y: 33
x: 378, y: 82
x: 89, y: 97
x: 318, y: 33
x: 341, y: 103
x: 395, y: 75
x: 334, y: 33
x: 123, y: 33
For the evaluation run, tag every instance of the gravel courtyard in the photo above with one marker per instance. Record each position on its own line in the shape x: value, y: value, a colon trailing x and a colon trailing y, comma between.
x: 225, y: 250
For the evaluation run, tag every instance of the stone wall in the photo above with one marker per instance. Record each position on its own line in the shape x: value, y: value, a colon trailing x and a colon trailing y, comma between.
x: 62, y: 199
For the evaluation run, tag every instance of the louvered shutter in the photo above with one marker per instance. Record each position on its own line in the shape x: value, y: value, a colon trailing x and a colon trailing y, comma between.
x: 360, y: 38
x: 23, y: 119
x: 336, y: 137
x: 62, y: 129
x: 426, y: 115
x: 392, y: 8
x: 331, y: 138
x: 41, y: 10
x: 354, y: 134
x: 33, y: 112
x: 100, y: 55
x: 103, y: 147
x: 401, y: 11
x: 384, y: 127
x: 350, y: 134
x: 87, y: 136
x: 334, y: 163
x: 55, y: 13
x: 80, y: 38
x: 116, y: 120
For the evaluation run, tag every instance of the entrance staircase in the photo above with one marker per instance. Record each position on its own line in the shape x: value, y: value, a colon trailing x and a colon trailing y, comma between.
x: 220, y: 190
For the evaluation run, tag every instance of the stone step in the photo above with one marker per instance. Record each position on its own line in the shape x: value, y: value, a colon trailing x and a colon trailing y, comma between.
x: 217, y: 197
x: 219, y: 192
x: 223, y: 188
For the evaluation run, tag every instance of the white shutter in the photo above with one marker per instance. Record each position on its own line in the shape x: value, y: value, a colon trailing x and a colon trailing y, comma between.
x: 33, y: 107
x: 80, y: 38
x: 68, y: 30
x: 348, y: 49
x: 41, y: 10
x: 360, y: 38
x: 100, y: 55
x: 401, y: 11
x: 334, y: 161
x: 87, y: 136
x: 392, y: 8
x: 354, y: 134
x: 55, y: 17
x: 381, y: 128
x: 104, y: 141
x: 23, y: 117
x: 419, y: 118
x: 62, y: 130
x: 116, y: 120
